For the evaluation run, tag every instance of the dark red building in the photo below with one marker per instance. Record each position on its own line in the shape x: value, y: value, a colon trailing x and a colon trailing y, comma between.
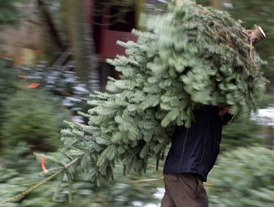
x: 108, y: 29
x: 112, y: 21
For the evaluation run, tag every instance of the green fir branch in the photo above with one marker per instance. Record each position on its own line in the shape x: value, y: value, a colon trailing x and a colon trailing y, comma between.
x: 32, y: 188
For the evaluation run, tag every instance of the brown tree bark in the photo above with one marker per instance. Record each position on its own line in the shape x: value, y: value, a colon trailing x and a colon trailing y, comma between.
x: 81, y: 42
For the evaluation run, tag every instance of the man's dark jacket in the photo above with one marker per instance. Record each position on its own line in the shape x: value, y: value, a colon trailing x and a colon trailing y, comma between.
x: 194, y: 150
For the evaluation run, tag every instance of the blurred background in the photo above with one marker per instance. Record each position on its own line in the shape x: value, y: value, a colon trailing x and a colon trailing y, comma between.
x: 53, y: 55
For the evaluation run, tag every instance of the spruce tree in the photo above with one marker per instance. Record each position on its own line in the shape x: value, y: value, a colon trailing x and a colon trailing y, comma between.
x: 188, y: 57
x: 192, y: 56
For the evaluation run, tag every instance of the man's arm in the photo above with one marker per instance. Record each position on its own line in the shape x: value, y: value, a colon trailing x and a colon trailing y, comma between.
x: 226, y: 118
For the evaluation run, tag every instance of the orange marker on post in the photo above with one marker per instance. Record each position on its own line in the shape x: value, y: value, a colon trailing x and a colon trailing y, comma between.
x: 34, y: 85
x: 43, y: 165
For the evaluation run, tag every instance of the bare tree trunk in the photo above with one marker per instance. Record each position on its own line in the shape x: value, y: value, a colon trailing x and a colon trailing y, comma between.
x: 82, y: 45
x: 139, y: 7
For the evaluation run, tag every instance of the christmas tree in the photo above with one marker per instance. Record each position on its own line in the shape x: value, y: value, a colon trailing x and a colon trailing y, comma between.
x: 188, y: 57
x: 192, y: 56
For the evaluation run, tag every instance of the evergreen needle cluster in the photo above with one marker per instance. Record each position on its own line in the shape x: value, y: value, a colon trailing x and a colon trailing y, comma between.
x: 190, y: 56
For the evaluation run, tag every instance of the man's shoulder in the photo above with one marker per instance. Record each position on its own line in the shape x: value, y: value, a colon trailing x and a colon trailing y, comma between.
x: 205, y: 109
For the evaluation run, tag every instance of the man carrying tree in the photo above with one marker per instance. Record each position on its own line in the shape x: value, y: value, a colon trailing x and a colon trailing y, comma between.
x: 192, y: 155
x: 194, y: 149
x: 192, y: 60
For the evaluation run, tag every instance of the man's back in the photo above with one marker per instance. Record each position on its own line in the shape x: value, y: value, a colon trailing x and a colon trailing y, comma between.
x: 195, y: 149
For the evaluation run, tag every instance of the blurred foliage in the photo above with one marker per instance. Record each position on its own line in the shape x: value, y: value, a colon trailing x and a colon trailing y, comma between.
x: 122, y: 191
x: 267, y: 98
x: 33, y: 116
x: 61, y: 82
x: 9, y: 13
x: 8, y: 78
x: 19, y: 160
x: 243, y: 178
x: 241, y: 132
